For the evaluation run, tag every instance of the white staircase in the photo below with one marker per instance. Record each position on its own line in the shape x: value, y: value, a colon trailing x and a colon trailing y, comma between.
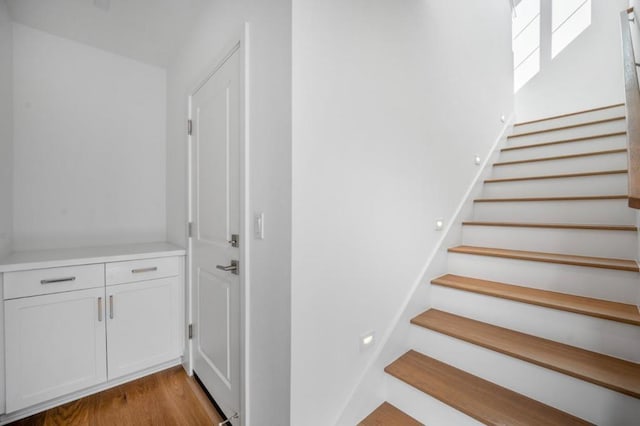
x: 536, y: 321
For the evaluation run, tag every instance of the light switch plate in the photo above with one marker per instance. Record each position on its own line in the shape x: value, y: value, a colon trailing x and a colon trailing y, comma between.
x: 258, y: 226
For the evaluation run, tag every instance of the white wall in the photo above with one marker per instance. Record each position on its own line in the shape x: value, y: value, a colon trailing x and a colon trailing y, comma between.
x: 89, y: 142
x: 6, y: 129
x: 586, y: 74
x: 218, y: 29
x: 390, y: 103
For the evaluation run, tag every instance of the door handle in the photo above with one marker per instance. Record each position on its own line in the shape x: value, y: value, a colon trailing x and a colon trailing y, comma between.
x: 57, y: 280
x: 111, y: 306
x: 99, y: 309
x: 143, y: 270
x: 234, y: 268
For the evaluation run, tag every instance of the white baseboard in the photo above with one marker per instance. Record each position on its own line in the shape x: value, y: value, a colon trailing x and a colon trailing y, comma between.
x: 26, y: 412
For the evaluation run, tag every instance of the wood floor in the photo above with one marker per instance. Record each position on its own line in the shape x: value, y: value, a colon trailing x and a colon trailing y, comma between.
x: 166, y: 398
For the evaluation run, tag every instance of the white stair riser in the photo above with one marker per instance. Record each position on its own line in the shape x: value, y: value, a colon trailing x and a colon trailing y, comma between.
x: 578, y: 147
x: 598, y: 283
x: 584, y: 242
x: 424, y: 407
x: 580, y: 398
x: 574, y: 132
x: 593, y: 334
x: 592, y: 163
x: 572, y: 119
x: 610, y: 212
x: 574, y: 186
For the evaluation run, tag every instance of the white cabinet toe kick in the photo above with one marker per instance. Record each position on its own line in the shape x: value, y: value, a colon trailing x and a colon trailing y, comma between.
x: 73, y: 327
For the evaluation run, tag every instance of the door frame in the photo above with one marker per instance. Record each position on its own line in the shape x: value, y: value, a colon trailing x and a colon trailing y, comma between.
x: 240, y: 45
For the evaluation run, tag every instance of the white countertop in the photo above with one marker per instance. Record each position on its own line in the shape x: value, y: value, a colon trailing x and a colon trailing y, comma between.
x: 25, y: 260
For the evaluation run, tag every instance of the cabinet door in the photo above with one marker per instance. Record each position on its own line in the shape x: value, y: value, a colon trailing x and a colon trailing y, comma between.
x: 55, y: 344
x: 143, y: 325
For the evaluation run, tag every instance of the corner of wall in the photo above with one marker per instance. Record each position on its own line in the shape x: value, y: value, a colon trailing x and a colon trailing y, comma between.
x: 6, y: 130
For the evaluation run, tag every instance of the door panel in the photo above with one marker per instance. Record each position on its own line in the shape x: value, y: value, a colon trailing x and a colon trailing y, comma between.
x: 143, y: 325
x: 55, y: 345
x: 212, y: 168
x: 213, y: 342
x: 215, y: 209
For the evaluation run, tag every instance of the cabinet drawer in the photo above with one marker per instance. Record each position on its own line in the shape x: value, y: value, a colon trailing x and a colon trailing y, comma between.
x: 142, y: 270
x: 52, y: 280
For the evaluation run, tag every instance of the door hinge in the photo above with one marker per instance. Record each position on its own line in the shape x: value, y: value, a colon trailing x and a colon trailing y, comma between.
x: 189, y: 127
x: 190, y: 331
x: 190, y: 229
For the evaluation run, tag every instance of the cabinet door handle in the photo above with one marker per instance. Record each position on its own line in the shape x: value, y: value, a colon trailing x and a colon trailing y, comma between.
x: 57, y: 280
x: 141, y: 270
x: 111, y: 306
x: 99, y: 309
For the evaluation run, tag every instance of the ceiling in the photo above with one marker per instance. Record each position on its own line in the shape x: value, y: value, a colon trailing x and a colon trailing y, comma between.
x: 146, y: 30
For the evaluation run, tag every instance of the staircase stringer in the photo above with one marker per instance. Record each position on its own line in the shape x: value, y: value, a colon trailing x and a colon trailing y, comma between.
x: 370, y: 389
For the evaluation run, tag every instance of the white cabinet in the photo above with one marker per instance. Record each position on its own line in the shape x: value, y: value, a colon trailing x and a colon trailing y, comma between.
x: 55, y: 344
x: 143, y: 325
x: 72, y: 329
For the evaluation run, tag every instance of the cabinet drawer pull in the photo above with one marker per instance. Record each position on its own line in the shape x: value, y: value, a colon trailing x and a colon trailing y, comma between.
x: 99, y: 309
x: 57, y: 280
x: 142, y: 270
x: 111, y: 306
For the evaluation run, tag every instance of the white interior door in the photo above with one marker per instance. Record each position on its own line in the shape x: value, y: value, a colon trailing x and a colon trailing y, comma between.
x: 215, y: 209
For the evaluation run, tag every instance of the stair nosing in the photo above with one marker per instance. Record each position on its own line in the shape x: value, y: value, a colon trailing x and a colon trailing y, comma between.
x: 568, y: 303
x: 570, y: 114
x: 536, y: 199
x: 561, y: 157
x: 562, y: 141
x: 511, y: 406
x: 537, y: 359
x: 628, y: 265
x: 554, y: 226
x: 562, y: 176
x: 567, y: 127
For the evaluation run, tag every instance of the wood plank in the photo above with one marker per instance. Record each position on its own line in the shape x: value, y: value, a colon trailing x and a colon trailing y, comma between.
x: 597, y: 308
x: 568, y: 114
x: 525, y: 199
x: 169, y: 397
x: 603, y: 370
x: 564, y: 259
x: 561, y: 157
x: 388, y: 415
x: 582, y: 138
x: 555, y: 226
x: 632, y: 96
x: 478, y: 398
x: 563, y: 176
x: 567, y: 127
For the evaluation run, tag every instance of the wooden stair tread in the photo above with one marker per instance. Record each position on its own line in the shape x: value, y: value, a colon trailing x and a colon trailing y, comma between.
x: 478, y: 398
x: 561, y: 141
x: 561, y: 176
x: 553, y: 117
x: 562, y: 157
x: 603, y: 370
x: 613, y: 311
x: 555, y: 225
x: 565, y: 259
x: 569, y: 126
x: 388, y: 415
x: 578, y: 198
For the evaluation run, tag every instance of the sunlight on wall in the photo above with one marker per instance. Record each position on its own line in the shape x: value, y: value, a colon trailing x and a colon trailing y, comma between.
x: 526, y: 42
x: 569, y: 19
